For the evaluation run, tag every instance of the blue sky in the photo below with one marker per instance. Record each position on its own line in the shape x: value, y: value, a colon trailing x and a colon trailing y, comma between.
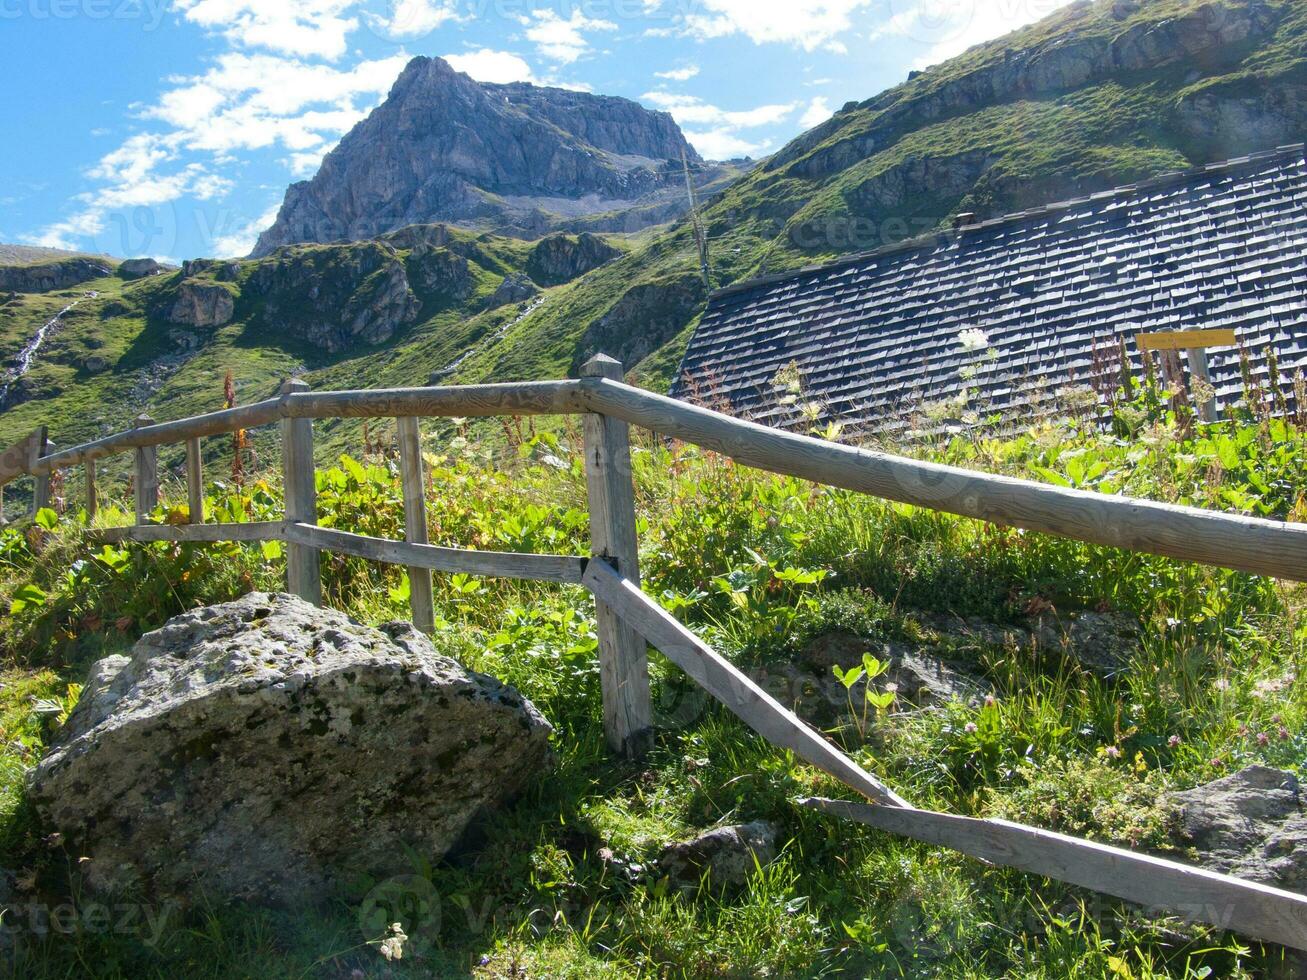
x: 172, y: 127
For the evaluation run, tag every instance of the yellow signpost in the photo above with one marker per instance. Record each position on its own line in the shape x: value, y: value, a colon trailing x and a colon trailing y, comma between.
x: 1195, y: 344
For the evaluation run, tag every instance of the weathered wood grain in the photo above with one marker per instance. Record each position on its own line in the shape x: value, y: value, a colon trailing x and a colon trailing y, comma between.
x: 202, y: 533
x: 92, y: 494
x: 1185, y: 339
x: 194, y: 481
x: 215, y: 423
x: 303, y: 562
x: 750, y: 703
x: 1246, y: 544
x: 146, y: 476
x: 488, y: 564
x: 1193, y: 893
x: 472, y: 401
x: 623, y: 653
x: 18, y: 458
x: 421, y: 593
x: 39, y: 449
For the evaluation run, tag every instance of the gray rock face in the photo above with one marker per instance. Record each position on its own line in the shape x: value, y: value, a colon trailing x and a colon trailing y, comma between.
x: 726, y: 855
x: 810, y: 687
x: 338, y: 297
x: 440, y: 270
x: 201, y: 304
x: 443, y: 147
x: 562, y: 258
x: 139, y: 268
x: 1204, y: 36
x: 1102, y: 642
x: 646, y: 317
x: 49, y: 276
x: 267, y: 750
x: 1250, y: 824
x: 516, y: 288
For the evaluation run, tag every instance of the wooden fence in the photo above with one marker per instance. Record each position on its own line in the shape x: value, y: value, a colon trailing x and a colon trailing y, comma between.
x: 628, y: 620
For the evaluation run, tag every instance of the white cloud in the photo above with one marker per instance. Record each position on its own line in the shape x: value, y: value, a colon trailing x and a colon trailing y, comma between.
x: 723, y: 144
x: 487, y: 65
x: 562, y: 40
x: 679, y: 74
x: 413, y: 18
x: 690, y: 110
x: 809, y: 24
x: 946, y: 28
x: 720, y: 138
x: 251, y: 101
x: 818, y: 112
x: 239, y: 242
x: 303, y: 28
x: 243, y: 102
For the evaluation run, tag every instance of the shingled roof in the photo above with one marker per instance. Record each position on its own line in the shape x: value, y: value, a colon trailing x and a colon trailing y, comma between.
x: 1050, y: 289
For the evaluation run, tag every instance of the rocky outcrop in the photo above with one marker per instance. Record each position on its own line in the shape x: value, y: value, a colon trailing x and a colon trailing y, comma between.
x: 202, y: 304
x: 49, y: 276
x: 267, y: 750
x: 515, y: 288
x: 436, y: 269
x: 1102, y: 642
x: 646, y: 317
x: 335, y: 297
x: 1206, y: 36
x: 562, y: 258
x: 139, y: 269
x: 723, y: 858
x: 919, y: 678
x: 443, y: 147
x: 1250, y: 824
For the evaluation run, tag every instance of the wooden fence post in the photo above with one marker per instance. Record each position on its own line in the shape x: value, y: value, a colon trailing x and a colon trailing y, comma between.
x: 92, y: 498
x: 303, y: 563
x: 421, y: 593
x: 623, y: 653
x: 194, y: 481
x: 40, y: 447
x: 147, y: 476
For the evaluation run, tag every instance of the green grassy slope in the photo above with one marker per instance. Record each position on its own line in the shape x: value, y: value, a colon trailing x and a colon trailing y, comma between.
x: 1097, y: 95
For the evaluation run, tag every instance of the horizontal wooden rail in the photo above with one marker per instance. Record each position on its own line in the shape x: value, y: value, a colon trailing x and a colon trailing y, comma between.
x: 198, y: 533
x: 1246, y: 544
x: 492, y: 564
x: 720, y: 678
x: 215, y: 423
x: 564, y: 569
x: 471, y: 401
x: 1195, y: 894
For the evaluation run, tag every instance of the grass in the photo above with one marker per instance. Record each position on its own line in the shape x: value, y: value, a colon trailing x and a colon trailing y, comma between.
x: 761, y: 566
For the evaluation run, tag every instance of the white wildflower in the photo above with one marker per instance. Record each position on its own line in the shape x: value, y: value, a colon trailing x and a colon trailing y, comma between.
x: 392, y: 947
x: 973, y: 339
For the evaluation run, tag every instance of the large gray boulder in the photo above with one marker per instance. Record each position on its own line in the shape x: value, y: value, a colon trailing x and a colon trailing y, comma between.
x: 271, y: 751
x: 1250, y: 824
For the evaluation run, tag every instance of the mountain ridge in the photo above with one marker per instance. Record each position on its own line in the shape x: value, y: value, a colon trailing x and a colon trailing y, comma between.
x: 515, y: 159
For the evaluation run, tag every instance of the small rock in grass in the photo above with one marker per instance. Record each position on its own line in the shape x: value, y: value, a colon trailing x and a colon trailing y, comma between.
x: 726, y: 855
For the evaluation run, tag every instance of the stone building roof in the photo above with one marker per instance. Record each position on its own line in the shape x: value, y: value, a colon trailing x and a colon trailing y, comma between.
x: 1004, y: 312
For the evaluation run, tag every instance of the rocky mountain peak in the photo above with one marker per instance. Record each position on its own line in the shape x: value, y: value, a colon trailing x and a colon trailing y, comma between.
x: 518, y: 159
